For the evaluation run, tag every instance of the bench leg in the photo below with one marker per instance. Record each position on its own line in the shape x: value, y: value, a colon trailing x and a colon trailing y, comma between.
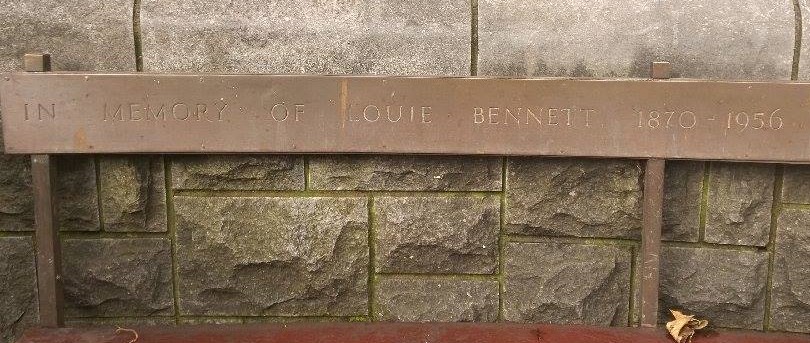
x: 46, y: 223
x: 49, y: 278
x: 652, y: 213
x: 651, y: 222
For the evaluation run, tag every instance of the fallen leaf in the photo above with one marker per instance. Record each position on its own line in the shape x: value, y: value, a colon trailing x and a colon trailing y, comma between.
x: 683, y: 327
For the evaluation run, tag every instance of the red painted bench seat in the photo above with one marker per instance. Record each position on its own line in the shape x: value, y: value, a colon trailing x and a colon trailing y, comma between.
x: 391, y: 333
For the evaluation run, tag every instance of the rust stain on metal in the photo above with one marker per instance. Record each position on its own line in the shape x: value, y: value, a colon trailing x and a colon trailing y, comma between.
x: 672, y: 119
x: 344, y: 96
x: 80, y: 139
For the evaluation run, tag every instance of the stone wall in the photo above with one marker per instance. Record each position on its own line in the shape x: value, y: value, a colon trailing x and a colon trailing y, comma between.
x: 264, y: 238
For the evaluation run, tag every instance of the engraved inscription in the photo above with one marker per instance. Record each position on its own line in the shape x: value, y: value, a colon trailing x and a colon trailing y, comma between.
x: 42, y: 111
x: 392, y: 114
x: 686, y: 119
x: 754, y: 121
x: 667, y: 119
x: 281, y: 112
x: 180, y: 111
x: 551, y: 116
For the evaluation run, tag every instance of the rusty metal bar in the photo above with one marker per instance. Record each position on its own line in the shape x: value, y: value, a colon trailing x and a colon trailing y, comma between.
x: 652, y: 212
x: 58, y: 113
x: 652, y: 220
x: 49, y: 269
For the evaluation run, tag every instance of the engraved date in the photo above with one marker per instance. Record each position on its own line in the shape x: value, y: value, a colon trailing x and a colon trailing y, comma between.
x: 685, y: 119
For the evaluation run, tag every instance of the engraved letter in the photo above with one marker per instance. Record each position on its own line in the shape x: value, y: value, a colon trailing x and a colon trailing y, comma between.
x: 133, y: 110
x: 376, y: 113
x: 174, y: 111
x: 388, y: 114
x: 273, y: 112
x: 51, y: 113
x: 299, y: 110
x: 221, y: 110
x: 552, y: 117
x: 26, y: 110
x: 567, y: 116
x: 493, y: 114
x: 478, y: 115
x: 509, y: 114
x: 425, y: 114
x: 352, y: 118
x: 530, y: 113
x: 113, y: 115
x: 202, y: 111
x: 161, y: 113
x: 587, y: 116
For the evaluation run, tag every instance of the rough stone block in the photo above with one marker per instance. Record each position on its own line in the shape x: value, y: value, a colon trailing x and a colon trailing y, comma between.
x: 238, y: 172
x: 727, y: 287
x: 133, y: 193
x: 293, y: 319
x: 211, y: 321
x: 405, y: 173
x: 683, y: 187
x: 740, y: 199
x: 115, y: 277
x: 796, y: 184
x: 64, y: 28
x: 251, y: 256
x: 569, y: 197
x: 120, y: 322
x: 401, y: 299
x: 77, y: 193
x: 18, y: 308
x: 751, y: 39
x: 804, y: 55
x: 16, y: 197
x: 288, y: 36
x: 566, y: 283
x: 437, y: 234
x: 790, y: 295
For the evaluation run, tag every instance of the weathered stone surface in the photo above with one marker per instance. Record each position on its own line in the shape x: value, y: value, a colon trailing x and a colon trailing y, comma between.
x: 683, y: 186
x: 401, y: 299
x: 727, y: 287
x: 64, y: 28
x: 569, y: 197
x: 77, y: 193
x: 293, y: 319
x: 289, y: 36
x: 790, y: 295
x: 566, y: 283
x: 804, y: 56
x: 437, y: 234
x: 405, y: 173
x: 272, y: 256
x: 211, y: 320
x: 721, y: 39
x: 740, y: 199
x: 119, y: 322
x: 133, y: 193
x: 114, y: 277
x: 238, y: 172
x: 16, y: 197
x: 796, y: 184
x: 18, y: 308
